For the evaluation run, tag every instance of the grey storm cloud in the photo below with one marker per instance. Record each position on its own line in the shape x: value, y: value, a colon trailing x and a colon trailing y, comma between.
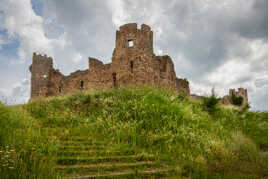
x: 88, y: 29
x: 254, y: 24
x: 206, y: 37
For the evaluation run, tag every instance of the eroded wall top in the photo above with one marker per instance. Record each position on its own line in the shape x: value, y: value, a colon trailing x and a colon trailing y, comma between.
x: 131, y: 38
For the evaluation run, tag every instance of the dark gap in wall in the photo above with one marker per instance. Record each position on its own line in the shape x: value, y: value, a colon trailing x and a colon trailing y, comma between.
x: 82, y: 84
x: 114, y: 80
x: 131, y: 66
x: 60, y: 89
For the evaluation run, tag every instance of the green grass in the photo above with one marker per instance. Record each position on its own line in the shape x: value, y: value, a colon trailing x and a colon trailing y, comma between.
x: 179, y: 132
x: 25, y: 149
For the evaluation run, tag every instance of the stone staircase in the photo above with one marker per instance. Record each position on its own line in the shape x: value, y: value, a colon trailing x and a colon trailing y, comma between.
x: 85, y: 158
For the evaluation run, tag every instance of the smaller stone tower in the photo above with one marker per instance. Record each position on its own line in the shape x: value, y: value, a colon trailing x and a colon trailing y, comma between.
x: 244, y: 94
x: 241, y: 92
x: 40, y: 69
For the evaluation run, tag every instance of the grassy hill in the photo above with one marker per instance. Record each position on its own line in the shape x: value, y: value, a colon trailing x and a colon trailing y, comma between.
x: 131, y: 133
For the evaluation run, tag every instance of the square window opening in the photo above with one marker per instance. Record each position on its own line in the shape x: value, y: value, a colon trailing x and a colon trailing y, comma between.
x: 130, y: 43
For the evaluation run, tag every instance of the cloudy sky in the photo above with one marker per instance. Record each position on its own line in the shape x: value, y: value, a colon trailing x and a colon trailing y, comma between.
x: 212, y: 42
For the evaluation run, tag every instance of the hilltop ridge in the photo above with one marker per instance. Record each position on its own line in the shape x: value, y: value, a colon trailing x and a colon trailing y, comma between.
x: 133, y: 133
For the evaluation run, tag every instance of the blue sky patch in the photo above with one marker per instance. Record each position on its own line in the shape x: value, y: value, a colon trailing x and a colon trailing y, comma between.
x: 38, y: 7
x: 11, y: 47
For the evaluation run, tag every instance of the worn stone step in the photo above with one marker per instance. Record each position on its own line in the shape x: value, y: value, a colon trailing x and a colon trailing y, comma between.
x: 130, y: 173
x: 77, y: 138
x: 77, y: 148
x: 83, y: 153
x: 93, y: 160
x: 104, y: 167
x: 79, y: 143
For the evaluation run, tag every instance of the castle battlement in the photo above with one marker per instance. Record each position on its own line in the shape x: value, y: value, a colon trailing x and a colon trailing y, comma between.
x: 37, y: 56
x: 134, y: 27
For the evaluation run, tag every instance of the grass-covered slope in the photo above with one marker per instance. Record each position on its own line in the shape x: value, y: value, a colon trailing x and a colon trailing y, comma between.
x: 133, y: 133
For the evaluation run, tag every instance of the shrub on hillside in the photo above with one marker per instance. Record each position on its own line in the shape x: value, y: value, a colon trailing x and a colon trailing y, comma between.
x: 236, y: 100
x: 182, y: 96
x: 211, y: 102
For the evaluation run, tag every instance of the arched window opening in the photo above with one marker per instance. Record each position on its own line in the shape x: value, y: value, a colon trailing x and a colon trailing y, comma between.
x: 82, y: 84
x: 131, y: 66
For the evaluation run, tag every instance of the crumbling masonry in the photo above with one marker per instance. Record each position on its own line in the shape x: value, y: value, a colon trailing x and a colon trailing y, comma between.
x: 241, y: 92
x: 133, y: 64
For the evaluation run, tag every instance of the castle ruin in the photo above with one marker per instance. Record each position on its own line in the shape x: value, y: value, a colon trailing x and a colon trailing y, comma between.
x: 241, y: 92
x: 133, y: 64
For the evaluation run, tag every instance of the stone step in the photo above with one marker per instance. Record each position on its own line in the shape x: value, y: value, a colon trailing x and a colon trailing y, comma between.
x: 84, y: 153
x: 79, y: 143
x: 94, y: 160
x: 80, y: 148
x: 104, y: 167
x: 130, y: 173
x: 78, y: 138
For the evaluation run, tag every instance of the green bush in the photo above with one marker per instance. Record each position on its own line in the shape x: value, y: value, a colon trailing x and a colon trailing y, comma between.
x: 236, y: 100
x: 210, y: 103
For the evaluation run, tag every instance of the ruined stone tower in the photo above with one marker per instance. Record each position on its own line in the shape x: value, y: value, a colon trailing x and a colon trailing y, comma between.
x: 241, y: 92
x: 133, y: 64
x: 40, y: 69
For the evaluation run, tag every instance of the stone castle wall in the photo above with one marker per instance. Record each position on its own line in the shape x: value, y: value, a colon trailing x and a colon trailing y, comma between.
x: 133, y: 64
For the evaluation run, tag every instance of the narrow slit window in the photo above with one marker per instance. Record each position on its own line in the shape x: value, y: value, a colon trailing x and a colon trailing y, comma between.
x: 82, y: 84
x: 130, y: 43
x: 114, y: 80
x: 131, y: 66
x: 60, y: 89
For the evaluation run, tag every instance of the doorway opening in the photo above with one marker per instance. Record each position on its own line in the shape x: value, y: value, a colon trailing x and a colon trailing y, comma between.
x: 60, y: 89
x: 82, y: 84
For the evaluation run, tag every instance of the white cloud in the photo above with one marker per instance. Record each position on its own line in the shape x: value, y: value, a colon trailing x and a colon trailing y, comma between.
x: 20, y: 21
x: 229, y: 73
x: 119, y: 16
x: 19, y: 94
